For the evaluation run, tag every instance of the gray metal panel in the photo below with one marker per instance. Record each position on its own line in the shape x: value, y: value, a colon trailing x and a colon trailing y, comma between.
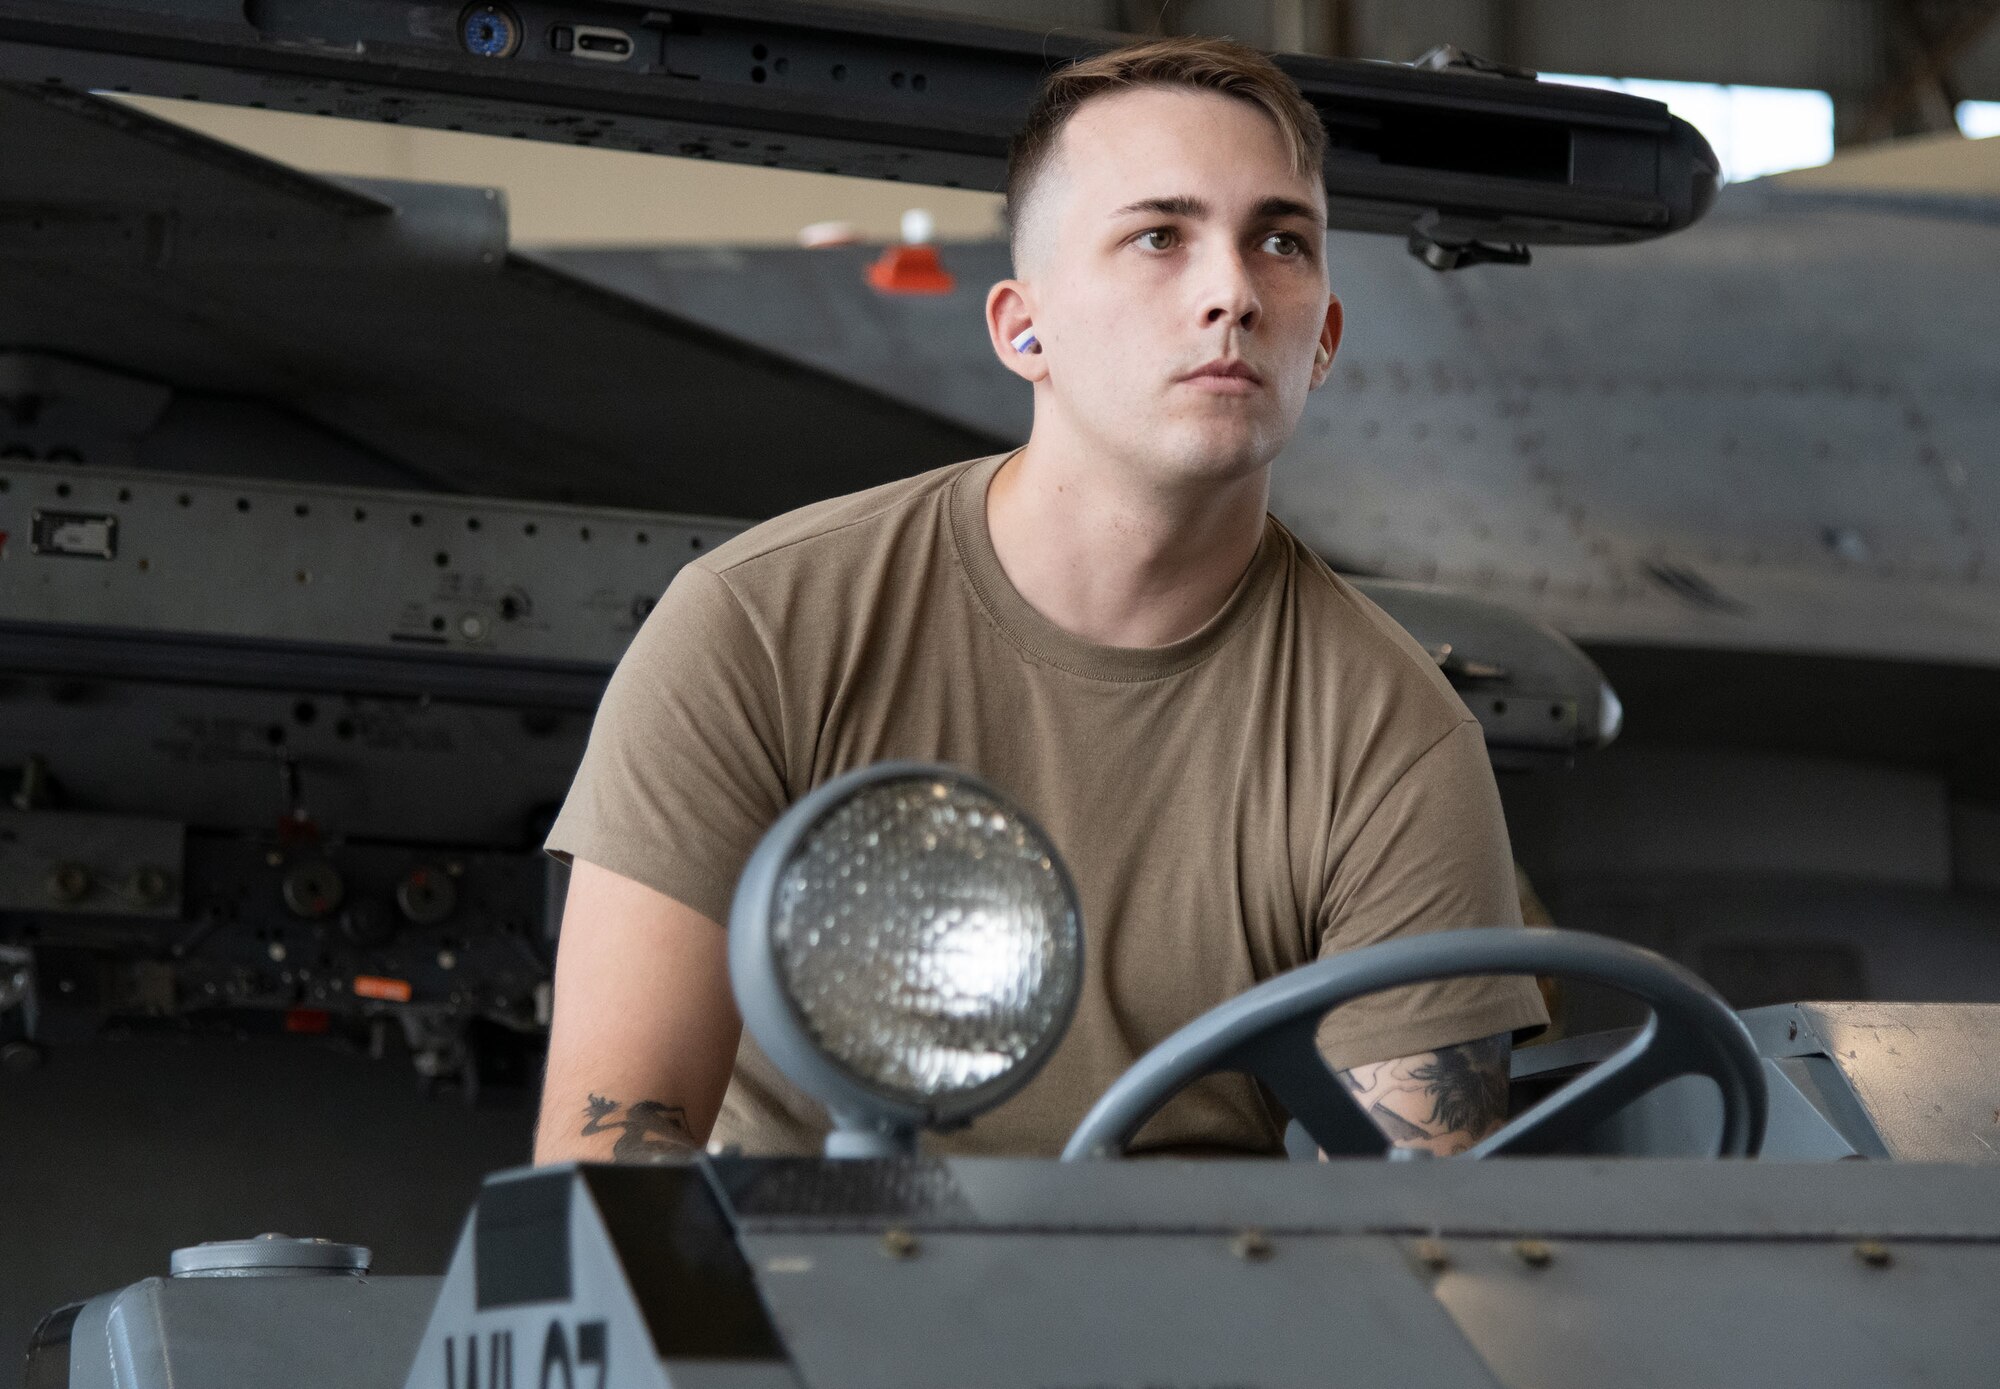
x: 89, y: 1356
x: 1632, y: 1198
x: 1531, y: 688
x: 982, y: 1311
x: 309, y: 1332
x: 1677, y: 445
x: 1821, y: 1117
x: 1758, y: 1315
x: 1923, y: 1072
x: 293, y: 562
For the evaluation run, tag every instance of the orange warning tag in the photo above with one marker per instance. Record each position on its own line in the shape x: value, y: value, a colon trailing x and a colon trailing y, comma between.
x: 388, y: 990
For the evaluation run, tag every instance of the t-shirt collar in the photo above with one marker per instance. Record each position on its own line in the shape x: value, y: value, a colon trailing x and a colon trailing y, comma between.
x: 1044, y: 640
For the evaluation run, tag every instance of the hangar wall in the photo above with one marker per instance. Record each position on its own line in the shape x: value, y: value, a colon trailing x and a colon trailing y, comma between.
x: 121, y: 1150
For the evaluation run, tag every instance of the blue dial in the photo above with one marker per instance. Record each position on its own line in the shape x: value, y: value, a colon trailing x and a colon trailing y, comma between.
x: 489, y: 31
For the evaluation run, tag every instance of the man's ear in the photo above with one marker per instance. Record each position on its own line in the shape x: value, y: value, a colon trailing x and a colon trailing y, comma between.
x: 1329, y: 339
x: 1010, y: 319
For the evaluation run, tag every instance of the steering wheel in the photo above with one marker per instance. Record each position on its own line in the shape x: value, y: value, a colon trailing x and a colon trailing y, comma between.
x: 1268, y: 1032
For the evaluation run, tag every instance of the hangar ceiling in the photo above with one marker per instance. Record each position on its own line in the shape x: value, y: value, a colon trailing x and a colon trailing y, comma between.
x: 1916, y: 164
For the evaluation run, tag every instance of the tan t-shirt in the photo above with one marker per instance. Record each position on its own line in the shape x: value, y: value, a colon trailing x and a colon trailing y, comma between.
x: 1293, y: 779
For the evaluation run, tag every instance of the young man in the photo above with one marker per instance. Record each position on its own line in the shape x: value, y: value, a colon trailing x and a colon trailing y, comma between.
x: 1245, y: 763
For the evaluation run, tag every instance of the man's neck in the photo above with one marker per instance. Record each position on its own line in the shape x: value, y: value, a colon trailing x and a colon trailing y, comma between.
x: 1114, y: 559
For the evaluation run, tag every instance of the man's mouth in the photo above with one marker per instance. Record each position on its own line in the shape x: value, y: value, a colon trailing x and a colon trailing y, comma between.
x: 1224, y: 376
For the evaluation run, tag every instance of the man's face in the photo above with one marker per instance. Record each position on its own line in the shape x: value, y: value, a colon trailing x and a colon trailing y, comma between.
x: 1170, y: 235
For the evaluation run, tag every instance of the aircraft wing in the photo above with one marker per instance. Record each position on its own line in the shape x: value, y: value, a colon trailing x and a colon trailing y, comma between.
x: 395, y: 323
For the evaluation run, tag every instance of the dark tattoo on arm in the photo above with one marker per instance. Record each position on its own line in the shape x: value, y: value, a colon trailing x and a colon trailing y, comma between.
x: 649, y: 1132
x: 1467, y: 1085
x: 1442, y: 1101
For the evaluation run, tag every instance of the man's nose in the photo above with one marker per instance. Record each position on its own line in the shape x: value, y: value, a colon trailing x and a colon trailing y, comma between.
x: 1229, y: 294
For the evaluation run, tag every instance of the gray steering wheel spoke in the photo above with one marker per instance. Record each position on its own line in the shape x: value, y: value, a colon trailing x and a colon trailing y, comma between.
x: 1289, y: 1063
x: 1269, y: 1032
x: 1579, y: 1105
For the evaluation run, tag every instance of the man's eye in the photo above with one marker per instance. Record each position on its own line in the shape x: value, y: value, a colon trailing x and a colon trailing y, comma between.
x: 1285, y: 244
x: 1159, y: 239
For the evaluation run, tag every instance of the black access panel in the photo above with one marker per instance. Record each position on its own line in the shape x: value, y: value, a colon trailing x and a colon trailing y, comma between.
x: 1468, y: 161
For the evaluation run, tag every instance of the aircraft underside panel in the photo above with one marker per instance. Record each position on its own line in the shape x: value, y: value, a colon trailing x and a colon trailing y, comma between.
x: 1770, y: 432
x: 1446, y: 159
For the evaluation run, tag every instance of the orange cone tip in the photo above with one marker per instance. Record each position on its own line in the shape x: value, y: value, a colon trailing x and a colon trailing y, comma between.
x: 910, y: 270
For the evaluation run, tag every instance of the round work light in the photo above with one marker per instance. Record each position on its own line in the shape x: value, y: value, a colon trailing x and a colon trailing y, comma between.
x: 905, y: 945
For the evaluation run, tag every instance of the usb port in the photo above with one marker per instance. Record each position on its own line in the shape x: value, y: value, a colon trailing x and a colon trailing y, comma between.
x: 603, y: 45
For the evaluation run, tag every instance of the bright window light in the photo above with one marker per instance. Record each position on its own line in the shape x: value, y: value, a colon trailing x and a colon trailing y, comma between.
x: 1754, y: 130
x: 1979, y: 119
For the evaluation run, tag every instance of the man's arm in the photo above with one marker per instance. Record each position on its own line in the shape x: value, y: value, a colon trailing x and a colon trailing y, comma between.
x: 1441, y: 1101
x: 645, y: 1028
x: 1432, y: 854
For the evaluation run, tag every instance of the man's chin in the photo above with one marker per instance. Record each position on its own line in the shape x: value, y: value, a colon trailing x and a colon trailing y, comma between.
x: 1217, y: 454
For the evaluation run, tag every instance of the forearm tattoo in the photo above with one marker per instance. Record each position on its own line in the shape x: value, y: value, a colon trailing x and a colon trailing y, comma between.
x: 1440, y: 1101
x: 649, y: 1132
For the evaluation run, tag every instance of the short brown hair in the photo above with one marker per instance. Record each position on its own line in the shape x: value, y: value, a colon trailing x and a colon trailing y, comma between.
x: 1201, y: 64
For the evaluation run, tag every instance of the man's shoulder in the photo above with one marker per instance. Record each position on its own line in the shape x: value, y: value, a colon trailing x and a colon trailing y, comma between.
x: 1364, y: 641
x: 812, y: 534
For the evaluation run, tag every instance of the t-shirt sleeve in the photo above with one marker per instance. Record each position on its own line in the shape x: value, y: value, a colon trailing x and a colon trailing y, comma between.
x: 684, y: 769
x: 1432, y: 854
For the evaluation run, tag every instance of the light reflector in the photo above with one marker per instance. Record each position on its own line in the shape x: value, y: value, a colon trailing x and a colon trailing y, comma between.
x: 906, y: 945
